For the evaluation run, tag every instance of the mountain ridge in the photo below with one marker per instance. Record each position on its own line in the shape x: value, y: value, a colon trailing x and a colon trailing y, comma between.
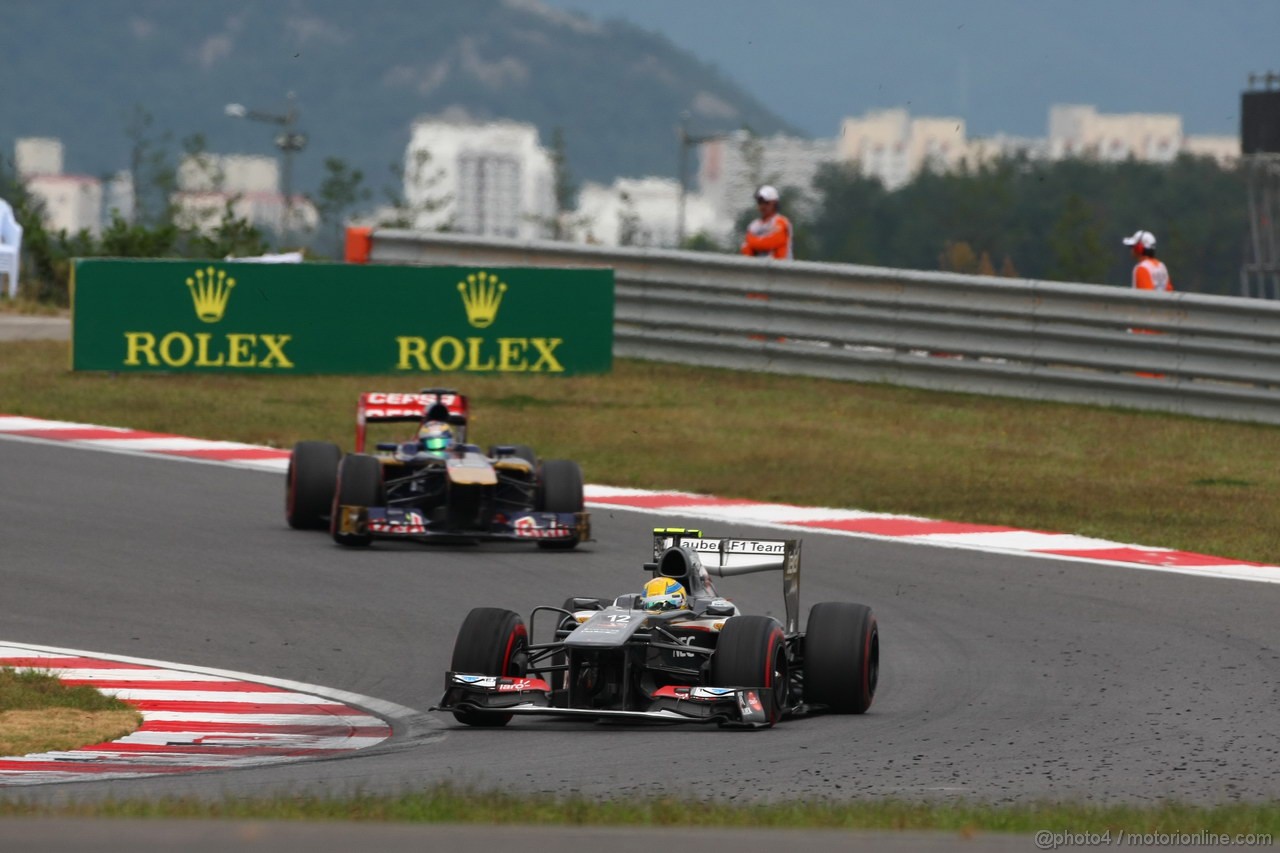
x: 616, y: 91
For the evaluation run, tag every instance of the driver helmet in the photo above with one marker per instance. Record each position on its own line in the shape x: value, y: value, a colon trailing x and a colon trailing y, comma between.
x: 435, y: 437
x: 662, y: 594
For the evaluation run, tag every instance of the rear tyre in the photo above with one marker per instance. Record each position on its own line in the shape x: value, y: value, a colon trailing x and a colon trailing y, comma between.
x: 560, y: 490
x: 309, y: 486
x: 359, y: 484
x: 841, y: 657
x: 752, y: 652
x: 491, y: 641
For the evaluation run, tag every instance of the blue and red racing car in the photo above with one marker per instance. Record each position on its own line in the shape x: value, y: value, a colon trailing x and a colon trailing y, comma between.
x: 434, y: 485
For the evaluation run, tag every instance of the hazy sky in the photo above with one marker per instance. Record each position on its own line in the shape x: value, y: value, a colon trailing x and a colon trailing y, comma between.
x: 998, y: 64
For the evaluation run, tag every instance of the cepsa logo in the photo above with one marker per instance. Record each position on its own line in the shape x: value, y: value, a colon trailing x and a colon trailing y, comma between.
x: 210, y: 290
x: 481, y: 295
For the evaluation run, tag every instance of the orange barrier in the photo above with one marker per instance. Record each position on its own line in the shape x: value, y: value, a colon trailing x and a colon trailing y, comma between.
x: 359, y: 244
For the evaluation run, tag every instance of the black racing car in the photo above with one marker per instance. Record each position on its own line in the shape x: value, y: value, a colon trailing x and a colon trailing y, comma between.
x: 706, y: 663
x: 458, y: 493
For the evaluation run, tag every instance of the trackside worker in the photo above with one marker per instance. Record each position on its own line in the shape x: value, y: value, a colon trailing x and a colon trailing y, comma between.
x: 1148, y: 273
x: 769, y: 235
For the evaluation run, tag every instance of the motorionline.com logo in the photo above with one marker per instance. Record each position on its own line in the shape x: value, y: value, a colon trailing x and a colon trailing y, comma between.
x: 1046, y: 840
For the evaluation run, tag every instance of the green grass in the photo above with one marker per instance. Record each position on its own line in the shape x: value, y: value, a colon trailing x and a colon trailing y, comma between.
x: 1178, y: 482
x: 29, y: 690
x: 447, y: 804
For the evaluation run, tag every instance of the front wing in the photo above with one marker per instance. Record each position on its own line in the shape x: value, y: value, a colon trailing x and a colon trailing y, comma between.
x: 749, y: 707
x: 394, y: 523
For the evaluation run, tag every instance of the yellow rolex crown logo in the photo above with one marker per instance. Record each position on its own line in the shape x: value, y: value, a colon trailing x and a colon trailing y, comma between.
x: 210, y: 290
x: 481, y: 296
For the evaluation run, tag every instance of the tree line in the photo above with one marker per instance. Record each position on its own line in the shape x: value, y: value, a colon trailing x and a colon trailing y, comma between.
x: 1015, y: 217
x: 1060, y: 220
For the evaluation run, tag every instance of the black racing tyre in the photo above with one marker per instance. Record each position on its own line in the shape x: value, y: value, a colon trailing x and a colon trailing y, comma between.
x: 841, y: 656
x: 752, y: 652
x: 524, y: 451
x: 309, y: 485
x: 560, y: 490
x: 359, y: 484
x: 491, y: 641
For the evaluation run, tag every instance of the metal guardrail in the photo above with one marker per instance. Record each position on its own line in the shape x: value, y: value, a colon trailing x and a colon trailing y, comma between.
x: 1215, y: 356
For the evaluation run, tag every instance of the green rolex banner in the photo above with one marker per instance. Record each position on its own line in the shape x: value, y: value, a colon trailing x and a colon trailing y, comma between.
x: 339, y: 318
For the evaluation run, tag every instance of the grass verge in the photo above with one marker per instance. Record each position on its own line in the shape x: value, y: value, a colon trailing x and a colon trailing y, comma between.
x: 1186, y: 483
x: 448, y: 804
x: 39, y: 713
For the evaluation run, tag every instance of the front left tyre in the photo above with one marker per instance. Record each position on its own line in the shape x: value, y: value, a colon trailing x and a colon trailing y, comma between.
x: 560, y: 490
x: 841, y: 656
x: 310, y: 483
x: 752, y: 652
x: 359, y: 484
x: 491, y: 641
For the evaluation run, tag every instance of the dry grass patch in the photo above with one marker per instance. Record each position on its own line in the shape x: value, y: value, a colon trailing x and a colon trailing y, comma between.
x: 39, y: 713
x: 48, y: 729
x: 1185, y: 483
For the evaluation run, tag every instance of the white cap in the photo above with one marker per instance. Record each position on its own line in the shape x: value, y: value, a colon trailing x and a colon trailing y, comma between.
x: 1145, y: 238
x: 766, y: 193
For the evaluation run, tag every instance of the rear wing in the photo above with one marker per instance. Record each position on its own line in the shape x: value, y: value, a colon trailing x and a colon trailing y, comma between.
x: 728, y: 557
x: 384, y: 407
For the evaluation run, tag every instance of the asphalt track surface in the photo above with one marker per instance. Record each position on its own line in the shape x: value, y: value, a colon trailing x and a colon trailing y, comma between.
x: 1004, y: 679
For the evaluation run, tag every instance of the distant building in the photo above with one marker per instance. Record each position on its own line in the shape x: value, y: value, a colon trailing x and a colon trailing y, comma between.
x: 231, y: 173
x: 487, y: 178
x: 206, y: 186
x: 733, y: 167
x: 892, y: 146
x: 639, y: 212
x: 248, y: 185
x: 120, y: 200
x: 983, y: 150
x: 38, y: 155
x: 1224, y: 149
x: 1079, y: 130
x: 72, y: 203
